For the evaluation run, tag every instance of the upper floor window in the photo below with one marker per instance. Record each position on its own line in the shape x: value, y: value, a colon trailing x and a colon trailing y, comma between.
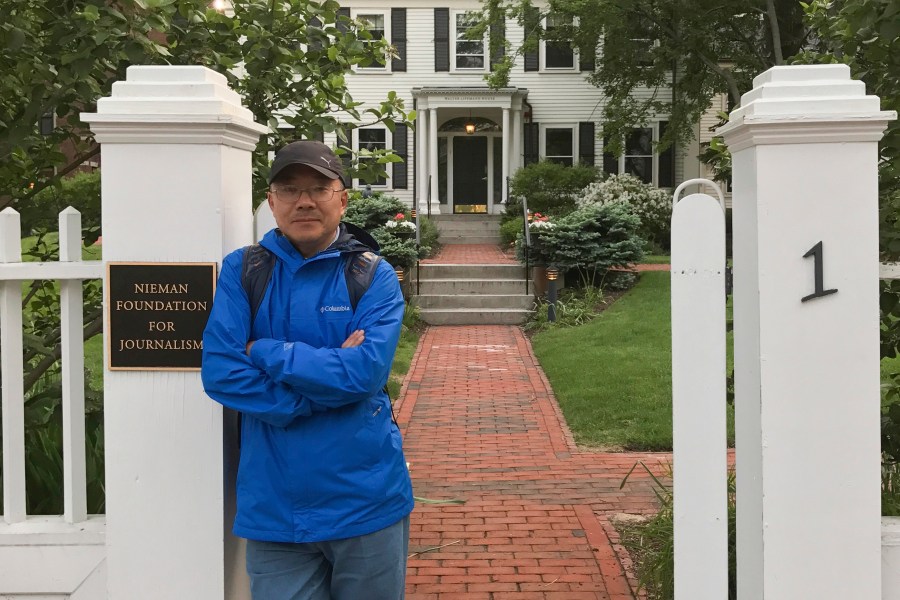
x: 372, y: 138
x: 559, y: 145
x: 376, y: 23
x: 469, y: 53
x: 558, y: 54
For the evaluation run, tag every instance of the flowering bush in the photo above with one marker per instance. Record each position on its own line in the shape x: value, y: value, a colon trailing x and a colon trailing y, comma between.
x: 400, y: 224
x: 651, y: 205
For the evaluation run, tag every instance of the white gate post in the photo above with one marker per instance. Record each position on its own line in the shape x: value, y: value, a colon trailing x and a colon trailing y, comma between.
x: 699, y: 426
x: 176, y: 187
x: 805, y: 154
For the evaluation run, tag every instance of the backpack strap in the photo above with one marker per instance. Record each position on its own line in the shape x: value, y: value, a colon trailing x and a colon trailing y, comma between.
x: 256, y: 271
x: 359, y: 270
x: 258, y: 263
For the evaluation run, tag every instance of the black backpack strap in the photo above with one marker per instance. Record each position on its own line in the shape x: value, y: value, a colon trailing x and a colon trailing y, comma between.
x: 256, y: 271
x: 359, y: 270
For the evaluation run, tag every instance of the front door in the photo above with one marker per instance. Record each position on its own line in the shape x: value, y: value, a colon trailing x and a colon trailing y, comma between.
x: 470, y: 174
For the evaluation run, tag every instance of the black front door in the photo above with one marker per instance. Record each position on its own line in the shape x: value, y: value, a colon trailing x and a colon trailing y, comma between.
x: 470, y: 174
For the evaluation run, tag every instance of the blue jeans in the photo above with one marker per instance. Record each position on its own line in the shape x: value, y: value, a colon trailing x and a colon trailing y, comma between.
x: 371, y: 566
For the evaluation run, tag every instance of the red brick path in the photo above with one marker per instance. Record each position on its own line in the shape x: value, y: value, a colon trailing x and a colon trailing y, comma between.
x: 470, y: 254
x: 481, y: 424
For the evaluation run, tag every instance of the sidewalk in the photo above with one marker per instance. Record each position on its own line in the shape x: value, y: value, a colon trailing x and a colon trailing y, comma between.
x: 480, y: 423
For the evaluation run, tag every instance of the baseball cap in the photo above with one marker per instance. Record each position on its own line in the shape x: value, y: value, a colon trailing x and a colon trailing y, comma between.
x: 313, y: 154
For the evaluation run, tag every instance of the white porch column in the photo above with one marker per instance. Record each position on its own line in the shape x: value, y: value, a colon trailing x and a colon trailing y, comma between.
x: 433, y: 160
x: 507, y: 141
x: 806, y: 334
x: 422, y: 160
x: 176, y: 149
x: 516, y: 137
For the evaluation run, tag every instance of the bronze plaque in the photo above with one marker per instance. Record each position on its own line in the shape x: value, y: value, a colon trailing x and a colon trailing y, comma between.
x: 156, y: 314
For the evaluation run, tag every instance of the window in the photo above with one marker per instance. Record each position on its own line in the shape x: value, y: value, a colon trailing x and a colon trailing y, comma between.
x: 559, y: 145
x: 638, y: 157
x: 376, y: 24
x: 558, y: 54
x: 372, y: 139
x: 469, y: 52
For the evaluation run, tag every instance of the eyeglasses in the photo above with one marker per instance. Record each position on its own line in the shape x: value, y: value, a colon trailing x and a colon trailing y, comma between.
x: 291, y: 194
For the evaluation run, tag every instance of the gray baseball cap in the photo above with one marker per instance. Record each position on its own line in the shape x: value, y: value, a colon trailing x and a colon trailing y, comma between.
x: 310, y: 153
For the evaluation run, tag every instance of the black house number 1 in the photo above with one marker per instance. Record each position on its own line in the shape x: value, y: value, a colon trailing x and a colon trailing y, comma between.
x: 816, y: 253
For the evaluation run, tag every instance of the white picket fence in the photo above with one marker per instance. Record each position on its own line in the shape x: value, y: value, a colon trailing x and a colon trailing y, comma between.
x: 55, y: 554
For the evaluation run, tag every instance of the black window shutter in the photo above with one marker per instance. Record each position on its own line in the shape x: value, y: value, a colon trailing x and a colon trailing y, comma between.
x: 442, y: 39
x: 532, y: 145
x: 398, y: 38
x: 587, y: 58
x: 498, y: 41
x: 666, y: 161
x: 314, y: 33
x: 610, y: 161
x: 341, y: 25
x: 586, y: 143
x: 347, y: 157
x: 400, y: 178
x: 532, y: 24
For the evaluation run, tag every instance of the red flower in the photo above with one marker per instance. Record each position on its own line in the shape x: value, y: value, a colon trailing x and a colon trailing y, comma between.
x: 399, y: 217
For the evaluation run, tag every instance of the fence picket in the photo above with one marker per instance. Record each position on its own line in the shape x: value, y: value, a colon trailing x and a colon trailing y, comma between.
x: 11, y: 372
x: 698, y: 398
x: 71, y: 303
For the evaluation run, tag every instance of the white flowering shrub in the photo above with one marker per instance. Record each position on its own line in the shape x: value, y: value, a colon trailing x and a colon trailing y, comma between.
x: 651, y: 205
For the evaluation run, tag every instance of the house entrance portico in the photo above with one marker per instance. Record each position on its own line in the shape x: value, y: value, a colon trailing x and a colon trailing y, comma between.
x: 468, y: 142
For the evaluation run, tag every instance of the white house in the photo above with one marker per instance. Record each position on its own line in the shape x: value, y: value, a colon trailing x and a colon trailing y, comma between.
x: 549, y: 111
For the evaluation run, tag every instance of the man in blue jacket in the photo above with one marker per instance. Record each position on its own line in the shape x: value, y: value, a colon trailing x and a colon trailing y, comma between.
x: 323, y: 491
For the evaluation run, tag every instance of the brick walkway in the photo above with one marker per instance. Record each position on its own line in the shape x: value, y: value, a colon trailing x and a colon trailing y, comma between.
x: 481, y: 424
x: 470, y: 254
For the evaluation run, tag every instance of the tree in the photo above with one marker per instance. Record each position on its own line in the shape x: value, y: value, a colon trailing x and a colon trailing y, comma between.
x: 287, y: 58
x: 708, y: 46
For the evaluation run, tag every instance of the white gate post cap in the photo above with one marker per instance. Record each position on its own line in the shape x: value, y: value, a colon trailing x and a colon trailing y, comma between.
x: 821, y: 101
x: 174, y: 104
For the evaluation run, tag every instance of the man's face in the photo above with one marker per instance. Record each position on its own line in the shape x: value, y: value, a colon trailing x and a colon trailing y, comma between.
x: 310, y: 224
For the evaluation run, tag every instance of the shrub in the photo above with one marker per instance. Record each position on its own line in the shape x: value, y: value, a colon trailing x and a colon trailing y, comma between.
x: 509, y: 230
x: 398, y: 244
x: 428, y: 235
x: 372, y: 212
x: 591, y: 240
x: 652, y: 205
x: 549, y: 187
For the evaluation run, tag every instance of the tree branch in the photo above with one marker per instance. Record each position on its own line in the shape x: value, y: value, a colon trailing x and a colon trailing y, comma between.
x: 94, y: 326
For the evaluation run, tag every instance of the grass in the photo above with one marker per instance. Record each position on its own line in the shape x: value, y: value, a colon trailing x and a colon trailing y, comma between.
x: 615, y: 390
x: 656, y: 259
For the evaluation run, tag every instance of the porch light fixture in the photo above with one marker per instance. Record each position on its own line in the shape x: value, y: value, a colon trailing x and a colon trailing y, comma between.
x: 552, y: 275
x: 470, y: 125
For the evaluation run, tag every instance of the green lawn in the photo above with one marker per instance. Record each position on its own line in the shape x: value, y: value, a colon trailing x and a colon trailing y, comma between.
x: 656, y: 259
x: 612, y: 376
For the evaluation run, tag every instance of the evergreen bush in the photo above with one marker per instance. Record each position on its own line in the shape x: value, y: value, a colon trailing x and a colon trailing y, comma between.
x: 590, y: 240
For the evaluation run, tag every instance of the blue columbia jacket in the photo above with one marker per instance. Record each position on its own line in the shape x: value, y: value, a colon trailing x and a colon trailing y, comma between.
x: 321, y: 458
